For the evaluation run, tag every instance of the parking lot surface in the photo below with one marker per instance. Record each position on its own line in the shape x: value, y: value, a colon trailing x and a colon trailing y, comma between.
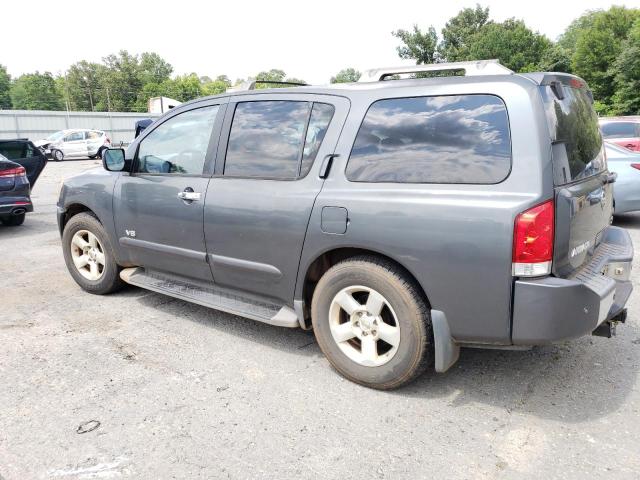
x: 139, y: 385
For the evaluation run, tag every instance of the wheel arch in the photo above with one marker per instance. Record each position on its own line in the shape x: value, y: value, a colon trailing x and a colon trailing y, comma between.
x: 74, y: 209
x: 328, y: 258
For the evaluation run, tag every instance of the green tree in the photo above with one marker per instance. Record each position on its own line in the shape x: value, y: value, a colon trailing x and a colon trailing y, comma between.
x: 418, y: 45
x: 217, y: 86
x: 154, y: 69
x: 458, y: 31
x: 346, y: 75
x: 511, y: 42
x: 36, y: 91
x: 183, y: 88
x: 555, y: 59
x: 599, y: 42
x: 626, y: 100
x: 121, y: 82
x: 5, y: 88
x: 81, y: 85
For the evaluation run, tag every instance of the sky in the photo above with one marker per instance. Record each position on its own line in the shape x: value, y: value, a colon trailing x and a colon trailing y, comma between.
x: 311, y: 40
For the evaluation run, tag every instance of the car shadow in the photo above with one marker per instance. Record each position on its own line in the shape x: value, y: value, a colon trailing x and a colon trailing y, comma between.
x: 569, y: 382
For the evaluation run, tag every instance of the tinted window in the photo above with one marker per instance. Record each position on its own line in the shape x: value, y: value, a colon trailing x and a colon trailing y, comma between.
x: 13, y: 150
x: 266, y: 139
x: 619, y: 130
x: 321, y: 115
x: 179, y: 145
x: 575, y: 133
x: 445, y: 139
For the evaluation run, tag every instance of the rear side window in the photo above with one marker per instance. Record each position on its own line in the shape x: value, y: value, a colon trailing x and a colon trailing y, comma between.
x: 276, y: 139
x: 74, y: 137
x: 620, y: 130
x: 439, y: 139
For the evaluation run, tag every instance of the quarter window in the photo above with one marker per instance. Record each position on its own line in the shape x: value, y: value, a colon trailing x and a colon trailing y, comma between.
x: 441, y: 139
x: 179, y: 145
x: 275, y: 139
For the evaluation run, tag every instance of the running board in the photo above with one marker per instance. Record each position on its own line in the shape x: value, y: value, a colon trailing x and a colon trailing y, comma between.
x: 218, y: 299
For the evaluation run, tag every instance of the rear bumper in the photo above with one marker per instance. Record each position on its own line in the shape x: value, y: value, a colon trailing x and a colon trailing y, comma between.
x: 553, y: 309
x: 16, y: 207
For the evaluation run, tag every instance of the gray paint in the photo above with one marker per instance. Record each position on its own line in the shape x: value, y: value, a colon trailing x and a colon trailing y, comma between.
x: 456, y: 240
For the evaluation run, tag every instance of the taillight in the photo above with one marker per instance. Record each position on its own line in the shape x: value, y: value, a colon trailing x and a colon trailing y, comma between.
x: 533, y: 241
x: 13, y: 172
x: 636, y: 166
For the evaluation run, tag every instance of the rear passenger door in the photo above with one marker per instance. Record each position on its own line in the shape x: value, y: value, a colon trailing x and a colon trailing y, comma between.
x: 75, y: 145
x: 265, y: 184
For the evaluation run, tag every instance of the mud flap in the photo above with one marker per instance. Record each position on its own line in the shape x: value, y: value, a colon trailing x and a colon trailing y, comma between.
x: 447, y: 351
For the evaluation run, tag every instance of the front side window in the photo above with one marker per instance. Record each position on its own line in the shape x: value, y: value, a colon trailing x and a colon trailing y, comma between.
x: 441, y: 139
x: 179, y: 145
x: 620, y: 130
x: 276, y: 139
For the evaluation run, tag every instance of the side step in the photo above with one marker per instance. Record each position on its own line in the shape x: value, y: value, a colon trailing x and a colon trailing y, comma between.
x: 218, y: 299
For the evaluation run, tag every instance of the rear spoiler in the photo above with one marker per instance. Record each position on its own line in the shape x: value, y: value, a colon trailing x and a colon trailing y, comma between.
x: 557, y: 81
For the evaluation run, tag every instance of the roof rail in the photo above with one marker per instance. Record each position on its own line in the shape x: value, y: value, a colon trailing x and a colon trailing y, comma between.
x: 479, y: 67
x: 251, y: 85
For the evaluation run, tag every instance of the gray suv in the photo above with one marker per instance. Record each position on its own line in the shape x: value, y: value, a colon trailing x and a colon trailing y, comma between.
x: 400, y: 218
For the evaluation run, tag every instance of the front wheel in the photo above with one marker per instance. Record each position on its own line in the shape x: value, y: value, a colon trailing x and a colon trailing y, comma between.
x: 57, y: 155
x: 372, y: 323
x: 89, y: 255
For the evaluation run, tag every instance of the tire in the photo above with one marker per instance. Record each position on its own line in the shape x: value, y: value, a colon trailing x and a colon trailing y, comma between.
x: 57, y: 155
x: 102, y: 279
x: 391, y: 366
x: 14, y: 220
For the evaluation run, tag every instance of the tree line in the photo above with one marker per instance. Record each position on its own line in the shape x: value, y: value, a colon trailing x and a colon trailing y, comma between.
x: 601, y: 46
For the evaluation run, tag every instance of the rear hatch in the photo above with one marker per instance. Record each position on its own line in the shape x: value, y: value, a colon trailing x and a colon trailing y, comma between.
x: 582, y: 184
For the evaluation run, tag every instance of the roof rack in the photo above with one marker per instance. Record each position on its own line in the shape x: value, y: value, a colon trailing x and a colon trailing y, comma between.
x: 251, y: 85
x: 480, y: 67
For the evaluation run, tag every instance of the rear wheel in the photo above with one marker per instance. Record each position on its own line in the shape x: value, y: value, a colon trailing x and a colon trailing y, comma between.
x: 89, y: 255
x: 372, y: 323
x: 57, y: 155
x: 14, y: 220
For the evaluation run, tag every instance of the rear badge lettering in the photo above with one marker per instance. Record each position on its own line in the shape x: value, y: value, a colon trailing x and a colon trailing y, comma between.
x: 583, y: 247
x: 130, y: 233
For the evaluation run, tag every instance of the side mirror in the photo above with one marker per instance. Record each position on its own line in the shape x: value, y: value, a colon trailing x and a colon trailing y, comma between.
x: 113, y: 159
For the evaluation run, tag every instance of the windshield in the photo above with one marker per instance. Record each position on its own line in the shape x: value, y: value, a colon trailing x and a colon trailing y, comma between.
x: 575, y: 133
x: 54, y: 137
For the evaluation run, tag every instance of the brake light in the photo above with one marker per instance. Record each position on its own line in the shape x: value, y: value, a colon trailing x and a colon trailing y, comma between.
x: 533, y: 241
x: 13, y: 172
x: 636, y: 166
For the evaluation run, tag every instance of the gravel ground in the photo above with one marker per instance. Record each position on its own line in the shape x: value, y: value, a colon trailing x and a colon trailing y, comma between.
x: 167, y: 389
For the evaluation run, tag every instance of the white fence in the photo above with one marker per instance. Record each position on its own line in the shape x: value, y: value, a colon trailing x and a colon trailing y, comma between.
x: 37, y: 124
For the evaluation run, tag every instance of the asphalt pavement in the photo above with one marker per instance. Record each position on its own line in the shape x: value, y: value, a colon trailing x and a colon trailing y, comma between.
x: 140, y: 385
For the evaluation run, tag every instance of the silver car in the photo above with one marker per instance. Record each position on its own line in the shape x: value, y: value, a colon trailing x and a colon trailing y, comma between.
x: 626, y: 190
x: 76, y: 143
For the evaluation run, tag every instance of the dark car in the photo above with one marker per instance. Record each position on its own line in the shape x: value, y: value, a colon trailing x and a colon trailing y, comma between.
x: 400, y: 219
x: 21, y: 163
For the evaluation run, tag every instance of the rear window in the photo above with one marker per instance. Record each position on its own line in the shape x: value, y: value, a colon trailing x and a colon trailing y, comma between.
x: 619, y: 130
x: 575, y: 133
x: 437, y: 139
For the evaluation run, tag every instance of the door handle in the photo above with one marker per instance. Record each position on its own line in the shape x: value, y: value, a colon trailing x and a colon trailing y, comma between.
x: 189, y: 196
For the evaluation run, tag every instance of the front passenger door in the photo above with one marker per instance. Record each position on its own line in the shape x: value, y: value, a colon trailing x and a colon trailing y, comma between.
x: 158, y: 208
